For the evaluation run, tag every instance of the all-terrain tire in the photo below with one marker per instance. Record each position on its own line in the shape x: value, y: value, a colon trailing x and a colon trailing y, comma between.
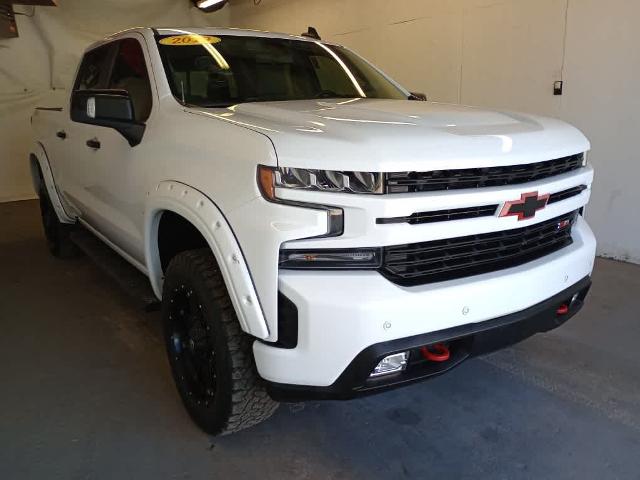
x: 211, y: 357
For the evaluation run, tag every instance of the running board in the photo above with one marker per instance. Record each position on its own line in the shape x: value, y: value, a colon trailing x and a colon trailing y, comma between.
x: 134, y: 282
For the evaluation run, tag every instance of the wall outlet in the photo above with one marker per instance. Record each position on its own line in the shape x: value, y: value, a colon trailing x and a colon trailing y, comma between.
x: 558, y: 87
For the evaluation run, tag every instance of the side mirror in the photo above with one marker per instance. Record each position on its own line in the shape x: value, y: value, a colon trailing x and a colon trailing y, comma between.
x: 107, y: 108
x: 420, y: 97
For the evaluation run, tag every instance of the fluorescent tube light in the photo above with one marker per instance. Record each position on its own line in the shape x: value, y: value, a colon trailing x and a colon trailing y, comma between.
x: 210, y: 5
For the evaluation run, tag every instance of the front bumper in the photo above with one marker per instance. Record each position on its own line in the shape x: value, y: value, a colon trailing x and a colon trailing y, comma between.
x: 341, y: 314
x: 464, y: 341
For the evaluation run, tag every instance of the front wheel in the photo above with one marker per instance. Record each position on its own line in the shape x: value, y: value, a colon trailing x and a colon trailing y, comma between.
x: 211, y: 357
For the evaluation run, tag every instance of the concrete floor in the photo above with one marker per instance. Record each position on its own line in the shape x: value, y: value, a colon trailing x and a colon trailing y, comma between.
x: 86, y: 393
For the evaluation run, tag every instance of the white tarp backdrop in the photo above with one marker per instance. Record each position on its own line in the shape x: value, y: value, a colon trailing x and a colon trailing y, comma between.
x: 506, y: 54
x: 38, y: 67
x: 497, y: 53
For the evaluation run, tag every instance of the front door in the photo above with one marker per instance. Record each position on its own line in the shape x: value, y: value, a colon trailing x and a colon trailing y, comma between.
x: 73, y: 154
x: 113, y: 183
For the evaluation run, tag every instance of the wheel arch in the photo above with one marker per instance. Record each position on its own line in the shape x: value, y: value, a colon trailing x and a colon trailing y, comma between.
x: 194, y: 207
x: 36, y: 175
x: 41, y: 171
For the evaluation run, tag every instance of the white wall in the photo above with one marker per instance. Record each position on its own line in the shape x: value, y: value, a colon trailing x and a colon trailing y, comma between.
x: 506, y: 54
x: 497, y: 53
x: 45, y: 57
x: 603, y: 99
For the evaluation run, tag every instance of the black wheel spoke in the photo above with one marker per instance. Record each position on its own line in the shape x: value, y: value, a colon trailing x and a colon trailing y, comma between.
x: 193, y: 345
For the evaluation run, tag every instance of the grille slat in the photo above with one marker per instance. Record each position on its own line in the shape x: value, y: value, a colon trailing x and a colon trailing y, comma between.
x: 572, y: 192
x: 416, y: 264
x: 442, y: 215
x: 409, y: 182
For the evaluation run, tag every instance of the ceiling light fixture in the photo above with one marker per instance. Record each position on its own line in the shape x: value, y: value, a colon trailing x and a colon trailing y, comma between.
x: 210, y: 5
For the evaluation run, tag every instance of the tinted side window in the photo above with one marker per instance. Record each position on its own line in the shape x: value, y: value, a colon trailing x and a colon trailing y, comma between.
x: 94, y: 69
x: 130, y: 73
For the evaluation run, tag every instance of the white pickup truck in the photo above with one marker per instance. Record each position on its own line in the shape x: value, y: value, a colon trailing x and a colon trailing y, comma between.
x: 312, y: 229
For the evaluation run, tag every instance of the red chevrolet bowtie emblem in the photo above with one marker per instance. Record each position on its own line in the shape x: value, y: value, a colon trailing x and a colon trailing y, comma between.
x: 526, y: 207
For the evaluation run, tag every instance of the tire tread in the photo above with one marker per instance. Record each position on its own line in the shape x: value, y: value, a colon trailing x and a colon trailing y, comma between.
x: 250, y: 403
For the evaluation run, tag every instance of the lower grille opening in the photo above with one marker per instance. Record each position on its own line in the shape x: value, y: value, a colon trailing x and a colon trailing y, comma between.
x: 440, y: 260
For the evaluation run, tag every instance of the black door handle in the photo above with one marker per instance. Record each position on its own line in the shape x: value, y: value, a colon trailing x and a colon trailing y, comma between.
x: 93, y: 143
x: 61, y: 134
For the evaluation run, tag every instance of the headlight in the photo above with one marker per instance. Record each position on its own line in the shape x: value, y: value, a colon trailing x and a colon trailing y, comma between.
x: 331, y: 259
x: 267, y: 183
x: 318, y: 180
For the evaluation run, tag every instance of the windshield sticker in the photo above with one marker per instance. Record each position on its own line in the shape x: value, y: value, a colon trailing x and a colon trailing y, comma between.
x: 192, y: 39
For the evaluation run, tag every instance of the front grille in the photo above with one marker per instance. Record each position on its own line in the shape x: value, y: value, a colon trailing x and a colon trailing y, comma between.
x: 469, y: 212
x: 408, y: 182
x: 420, y: 263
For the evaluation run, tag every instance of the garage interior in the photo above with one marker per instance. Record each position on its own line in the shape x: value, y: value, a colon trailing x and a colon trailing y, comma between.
x: 87, y: 392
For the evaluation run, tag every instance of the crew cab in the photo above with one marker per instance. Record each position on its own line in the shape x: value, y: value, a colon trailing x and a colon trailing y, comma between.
x: 312, y: 229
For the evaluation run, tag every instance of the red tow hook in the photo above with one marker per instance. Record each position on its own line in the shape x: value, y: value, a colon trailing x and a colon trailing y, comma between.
x: 563, y: 309
x: 435, y: 353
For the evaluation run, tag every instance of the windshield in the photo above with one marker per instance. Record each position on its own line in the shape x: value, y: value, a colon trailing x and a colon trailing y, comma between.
x: 226, y: 70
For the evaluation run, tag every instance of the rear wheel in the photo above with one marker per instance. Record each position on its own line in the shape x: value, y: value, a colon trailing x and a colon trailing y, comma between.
x: 56, y: 232
x: 211, y: 358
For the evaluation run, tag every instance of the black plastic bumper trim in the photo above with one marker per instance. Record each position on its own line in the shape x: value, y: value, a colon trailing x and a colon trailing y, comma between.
x: 469, y: 340
x: 287, y: 324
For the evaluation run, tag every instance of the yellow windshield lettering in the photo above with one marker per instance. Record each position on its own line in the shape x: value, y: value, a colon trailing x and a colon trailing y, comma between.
x: 191, y: 39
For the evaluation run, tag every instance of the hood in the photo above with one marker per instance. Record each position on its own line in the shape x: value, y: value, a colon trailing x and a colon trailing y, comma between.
x: 397, y: 135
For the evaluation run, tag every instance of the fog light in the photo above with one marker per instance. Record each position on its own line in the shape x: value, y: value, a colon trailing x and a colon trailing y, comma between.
x: 391, y: 364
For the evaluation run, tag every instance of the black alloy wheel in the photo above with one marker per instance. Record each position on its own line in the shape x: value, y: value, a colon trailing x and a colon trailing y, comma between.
x: 211, y: 358
x: 192, y: 346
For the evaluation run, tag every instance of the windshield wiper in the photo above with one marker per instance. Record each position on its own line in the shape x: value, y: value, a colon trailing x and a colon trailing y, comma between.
x: 331, y: 94
x: 217, y: 105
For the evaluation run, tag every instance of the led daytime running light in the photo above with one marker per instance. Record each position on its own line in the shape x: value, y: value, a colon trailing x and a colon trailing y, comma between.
x: 329, y: 180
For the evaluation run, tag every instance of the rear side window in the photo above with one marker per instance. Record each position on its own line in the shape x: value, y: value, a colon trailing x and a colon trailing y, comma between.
x: 94, y: 69
x: 130, y: 73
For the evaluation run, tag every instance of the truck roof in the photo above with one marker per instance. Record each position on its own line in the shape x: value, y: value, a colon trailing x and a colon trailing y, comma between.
x: 240, y: 32
x: 231, y: 31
